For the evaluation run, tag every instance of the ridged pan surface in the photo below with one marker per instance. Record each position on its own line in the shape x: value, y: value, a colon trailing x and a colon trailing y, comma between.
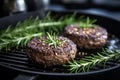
x: 18, y: 60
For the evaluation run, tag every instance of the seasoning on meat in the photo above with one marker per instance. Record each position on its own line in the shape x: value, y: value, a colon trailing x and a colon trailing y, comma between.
x: 88, y: 38
x: 48, y: 55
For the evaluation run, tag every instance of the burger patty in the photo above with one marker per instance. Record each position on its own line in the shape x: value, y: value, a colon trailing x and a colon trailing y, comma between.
x: 87, y: 38
x: 47, y: 55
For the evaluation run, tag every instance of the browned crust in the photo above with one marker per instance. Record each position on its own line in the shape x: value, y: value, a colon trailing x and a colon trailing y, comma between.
x: 47, y: 55
x: 88, y: 38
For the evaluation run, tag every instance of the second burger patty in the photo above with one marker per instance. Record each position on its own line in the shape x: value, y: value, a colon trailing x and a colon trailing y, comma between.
x: 87, y: 38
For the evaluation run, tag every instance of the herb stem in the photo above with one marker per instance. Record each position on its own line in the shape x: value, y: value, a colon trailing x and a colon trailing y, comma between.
x: 38, y: 25
x: 51, y: 23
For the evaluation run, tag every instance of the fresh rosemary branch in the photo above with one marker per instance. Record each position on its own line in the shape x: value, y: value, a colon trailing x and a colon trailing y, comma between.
x: 31, y: 24
x: 14, y: 41
x: 88, y: 62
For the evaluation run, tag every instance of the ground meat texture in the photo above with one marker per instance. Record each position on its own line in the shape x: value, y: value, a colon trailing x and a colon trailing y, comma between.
x: 87, y: 38
x: 46, y: 55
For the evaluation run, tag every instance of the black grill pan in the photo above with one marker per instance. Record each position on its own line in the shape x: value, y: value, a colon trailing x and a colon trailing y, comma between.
x: 18, y: 60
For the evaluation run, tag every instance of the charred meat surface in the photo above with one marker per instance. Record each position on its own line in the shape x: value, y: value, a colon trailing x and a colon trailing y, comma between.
x: 87, y: 38
x: 48, y: 55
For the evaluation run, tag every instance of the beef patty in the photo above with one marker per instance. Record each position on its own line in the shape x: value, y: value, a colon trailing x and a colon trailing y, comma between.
x: 47, y: 55
x: 87, y: 38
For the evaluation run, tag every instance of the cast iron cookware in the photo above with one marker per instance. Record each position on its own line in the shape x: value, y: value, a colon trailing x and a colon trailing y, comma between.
x: 17, y: 60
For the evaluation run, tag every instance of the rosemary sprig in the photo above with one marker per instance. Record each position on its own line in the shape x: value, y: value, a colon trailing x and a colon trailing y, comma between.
x: 88, y: 62
x: 86, y: 23
x: 52, y: 39
x: 14, y: 41
x: 32, y: 24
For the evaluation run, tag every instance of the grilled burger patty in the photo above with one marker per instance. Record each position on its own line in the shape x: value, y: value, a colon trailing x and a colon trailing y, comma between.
x: 87, y: 38
x: 48, y: 55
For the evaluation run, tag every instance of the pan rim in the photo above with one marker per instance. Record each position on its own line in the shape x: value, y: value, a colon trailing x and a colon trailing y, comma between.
x: 62, y: 74
x: 68, y: 74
